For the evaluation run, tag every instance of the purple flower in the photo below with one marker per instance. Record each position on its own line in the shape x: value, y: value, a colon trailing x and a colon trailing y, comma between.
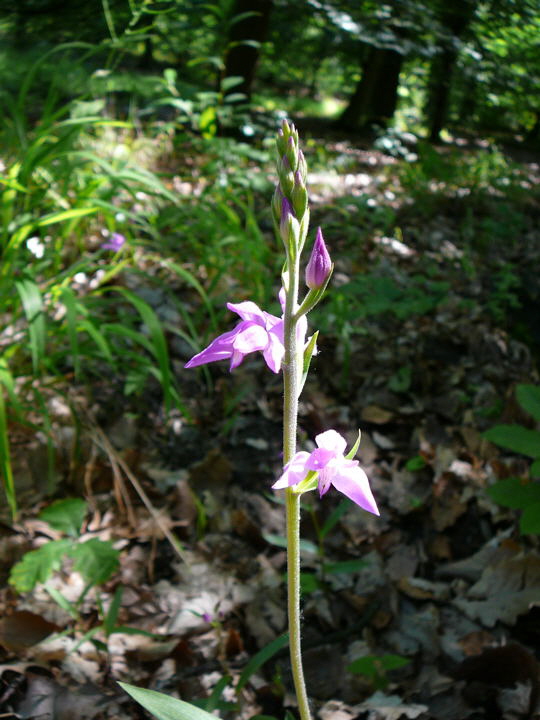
x: 114, y: 243
x: 319, y: 266
x: 258, y: 331
x: 333, y: 468
x: 288, y: 223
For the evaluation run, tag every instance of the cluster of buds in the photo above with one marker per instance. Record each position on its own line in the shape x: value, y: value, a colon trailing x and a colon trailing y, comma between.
x: 290, y: 209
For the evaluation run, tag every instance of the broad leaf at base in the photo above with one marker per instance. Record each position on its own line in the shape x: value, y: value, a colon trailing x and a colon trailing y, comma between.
x: 164, y: 707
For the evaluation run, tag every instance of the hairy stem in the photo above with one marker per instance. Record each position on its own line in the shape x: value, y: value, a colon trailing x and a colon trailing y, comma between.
x: 291, y: 380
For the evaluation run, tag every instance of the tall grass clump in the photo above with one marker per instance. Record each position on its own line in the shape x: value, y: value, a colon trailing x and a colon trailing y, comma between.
x: 75, y: 221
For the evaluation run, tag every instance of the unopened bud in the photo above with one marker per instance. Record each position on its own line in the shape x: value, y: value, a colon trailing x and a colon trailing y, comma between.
x: 292, y: 153
x: 286, y: 175
x: 299, y: 196
x: 302, y: 165
x: 289, y: 227
x: 281, y: 142
x: 319, y: 266
x: 276, y: 204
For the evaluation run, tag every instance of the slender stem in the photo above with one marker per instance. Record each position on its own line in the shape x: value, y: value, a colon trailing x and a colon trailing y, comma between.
x: 293, y: 591
x: 291, y: 381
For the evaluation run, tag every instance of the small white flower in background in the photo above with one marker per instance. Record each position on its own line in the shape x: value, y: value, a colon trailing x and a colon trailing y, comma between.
x: 36, y: 247
x: 81, y: 279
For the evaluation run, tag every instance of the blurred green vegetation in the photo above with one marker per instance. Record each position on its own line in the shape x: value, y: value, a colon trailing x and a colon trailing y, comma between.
x: 152, y: 120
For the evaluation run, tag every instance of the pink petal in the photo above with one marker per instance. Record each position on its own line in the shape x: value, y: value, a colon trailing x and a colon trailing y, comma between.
x: 248, y: 311
x: 250, y: 338
x: 332, y: 440
x: 271, y: 322
x: 325, y: 480
x: 319, y: 459
x: 294, y: 471
x: 353, y: 482
x: 236, y: 359
x: 219, y: 349
x: 274, y: 352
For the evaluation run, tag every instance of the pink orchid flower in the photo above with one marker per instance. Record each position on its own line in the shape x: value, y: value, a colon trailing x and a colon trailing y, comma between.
x: 258, y: 331
x: 334, y: 469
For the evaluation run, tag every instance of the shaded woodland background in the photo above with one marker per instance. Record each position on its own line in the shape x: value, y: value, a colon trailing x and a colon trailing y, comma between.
x: 139, y: 539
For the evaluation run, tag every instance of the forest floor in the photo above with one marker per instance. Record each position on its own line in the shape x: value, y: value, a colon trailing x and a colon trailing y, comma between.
x: 438, y: 599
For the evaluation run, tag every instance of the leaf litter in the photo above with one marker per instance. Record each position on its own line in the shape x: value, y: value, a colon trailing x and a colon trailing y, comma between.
x: 442, y: 579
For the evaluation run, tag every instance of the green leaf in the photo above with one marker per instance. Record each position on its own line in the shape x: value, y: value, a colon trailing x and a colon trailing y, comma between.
x: 32, y: 303
x: 534, y: 470
x: 260, y: 658
x: 392, y: 662
x: 528, y: 396
x: 67, y: 515
x: 157, y: 343
x: 401, y: 380
x: 215, y: 696
x: 515, y: 438
x: 96, y: 560
x: 65, y: 215
x: 308, y: 354
x: 514, y: 493
x: 6, y: 471
x: 308, y: 583
x: 38, y: 565
x: 335, y: 516
x: 345, y: 566
x: 373, y: 665
x: 530, y: 520
x: 62, y: 601
x: 415, y: 463
x: 114, y: 609
x: 208, y: 122
x: 164, y: 707
x: 352, y: 452
x: 281, y: 541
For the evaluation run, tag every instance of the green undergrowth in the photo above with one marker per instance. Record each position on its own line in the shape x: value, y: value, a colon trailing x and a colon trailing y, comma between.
x: 191, y: 208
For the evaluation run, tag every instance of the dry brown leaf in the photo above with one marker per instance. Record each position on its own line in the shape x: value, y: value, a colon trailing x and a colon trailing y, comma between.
x: 376, y: 414
x: 23, y: 629
x: 420, y: 589
x: 508, y: 588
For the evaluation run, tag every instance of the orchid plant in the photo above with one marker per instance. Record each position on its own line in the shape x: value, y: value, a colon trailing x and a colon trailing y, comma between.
x: 284, y: 346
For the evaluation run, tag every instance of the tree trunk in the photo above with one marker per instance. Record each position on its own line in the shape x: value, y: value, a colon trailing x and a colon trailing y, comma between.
x: 241, y: 59
x: 375, y: 97
x: 455, y: 18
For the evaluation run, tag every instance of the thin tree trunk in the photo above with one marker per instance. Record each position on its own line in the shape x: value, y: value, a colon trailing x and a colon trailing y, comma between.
x: 455, y: 17
x: 375, y: 97
x: 242, y: 57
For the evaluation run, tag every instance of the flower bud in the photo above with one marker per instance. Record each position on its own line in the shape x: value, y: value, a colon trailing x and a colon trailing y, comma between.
x: 288, y: 227
x: 276, y: 204
x: 302, y: 165
x: 286, y: 175
x: 319, y: 266
x: 281, y: 143
x: 299, y: 196
x: 292, y: 153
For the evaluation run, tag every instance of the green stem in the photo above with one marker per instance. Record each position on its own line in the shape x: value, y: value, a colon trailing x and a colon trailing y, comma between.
x: 292, y: 367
